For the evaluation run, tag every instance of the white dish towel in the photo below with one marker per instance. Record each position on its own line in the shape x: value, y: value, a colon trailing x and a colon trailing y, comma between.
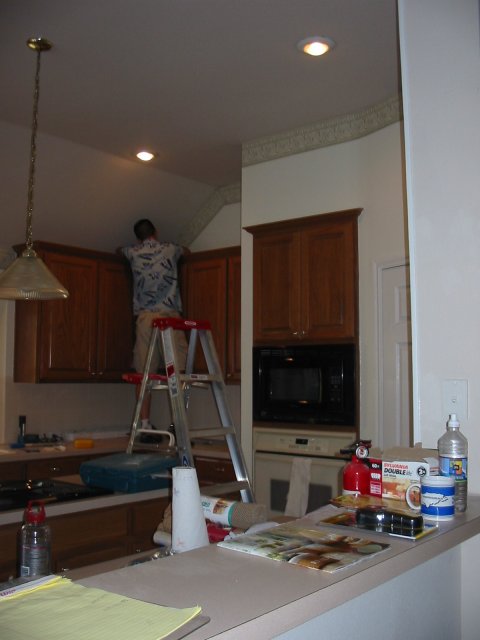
x: 297, y: 498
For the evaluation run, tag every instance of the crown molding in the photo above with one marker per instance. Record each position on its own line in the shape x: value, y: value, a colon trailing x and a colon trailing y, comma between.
x: 230, y: 194
x: 323, y: 134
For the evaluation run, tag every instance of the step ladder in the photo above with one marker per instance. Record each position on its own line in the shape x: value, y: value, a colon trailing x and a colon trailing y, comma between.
x: 178, y: 384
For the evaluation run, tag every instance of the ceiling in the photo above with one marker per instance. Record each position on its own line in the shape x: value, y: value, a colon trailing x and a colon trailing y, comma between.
x: 193, y: 79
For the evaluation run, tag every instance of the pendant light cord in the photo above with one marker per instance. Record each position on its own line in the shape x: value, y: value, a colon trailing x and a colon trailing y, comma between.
x: 33, y: 156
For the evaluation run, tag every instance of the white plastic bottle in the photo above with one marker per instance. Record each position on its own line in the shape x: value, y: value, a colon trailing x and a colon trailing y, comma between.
x: 35, y: 542
x: 453, y: 460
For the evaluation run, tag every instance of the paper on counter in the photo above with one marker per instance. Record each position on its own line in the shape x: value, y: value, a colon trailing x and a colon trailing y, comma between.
x: 69, y: 610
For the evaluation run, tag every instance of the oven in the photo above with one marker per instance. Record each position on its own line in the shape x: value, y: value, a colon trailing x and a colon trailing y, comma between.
x: 274, y: 452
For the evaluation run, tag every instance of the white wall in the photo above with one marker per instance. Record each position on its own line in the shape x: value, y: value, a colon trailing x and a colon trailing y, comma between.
x: 364, y: 173
x: 87, y: 198
x: 56, y: 408
x: 441, y: 85
x: 222, y: 231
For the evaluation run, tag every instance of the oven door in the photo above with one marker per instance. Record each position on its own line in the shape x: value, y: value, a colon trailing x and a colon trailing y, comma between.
x: 272, y: 478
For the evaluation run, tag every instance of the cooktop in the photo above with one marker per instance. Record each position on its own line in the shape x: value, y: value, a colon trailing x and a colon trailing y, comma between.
x: 17, y: 494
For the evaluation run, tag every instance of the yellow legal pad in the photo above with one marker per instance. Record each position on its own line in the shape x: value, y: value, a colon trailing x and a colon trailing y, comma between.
x: 61, y: 609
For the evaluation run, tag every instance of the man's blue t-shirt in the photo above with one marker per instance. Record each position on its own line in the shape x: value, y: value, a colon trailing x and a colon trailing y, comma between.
x: 155, y: 276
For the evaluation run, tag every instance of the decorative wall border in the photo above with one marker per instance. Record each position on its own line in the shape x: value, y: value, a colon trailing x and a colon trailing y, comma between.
x: 230, y: 194
x: 323, y: 134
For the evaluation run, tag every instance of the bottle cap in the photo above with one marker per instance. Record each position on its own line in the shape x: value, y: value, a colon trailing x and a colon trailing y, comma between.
x: 452, y: 421
x: 35, y: 512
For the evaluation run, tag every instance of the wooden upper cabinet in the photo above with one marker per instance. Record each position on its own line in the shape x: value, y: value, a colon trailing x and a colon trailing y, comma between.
x: 115, y: 330
x: 89, y: 336
x: 305, y: 279
x: 234, y: 314
x: 211, y: 291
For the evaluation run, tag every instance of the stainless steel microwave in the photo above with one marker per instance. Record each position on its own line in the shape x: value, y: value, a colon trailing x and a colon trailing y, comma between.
x: 311, y: 384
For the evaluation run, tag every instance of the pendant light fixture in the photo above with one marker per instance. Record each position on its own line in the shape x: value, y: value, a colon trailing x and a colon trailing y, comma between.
x: 28, y: 278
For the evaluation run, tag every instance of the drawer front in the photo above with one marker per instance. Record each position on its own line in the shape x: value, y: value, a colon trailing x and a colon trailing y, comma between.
x: 12, y: 471
x: 214, y: 470
x: 89, y: 528
x: 54, y: 467
x: 83, y: 556
x: 8, y: 554
x: 146, y: 517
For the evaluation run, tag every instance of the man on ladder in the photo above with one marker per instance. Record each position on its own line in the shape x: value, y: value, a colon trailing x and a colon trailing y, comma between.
x: 155, y: 295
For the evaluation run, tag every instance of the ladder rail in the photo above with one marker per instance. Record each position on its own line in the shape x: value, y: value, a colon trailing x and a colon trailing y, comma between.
x: 219, y: 391
x: 143, y: 388
x: 179, y: 383
x: 176, y: 397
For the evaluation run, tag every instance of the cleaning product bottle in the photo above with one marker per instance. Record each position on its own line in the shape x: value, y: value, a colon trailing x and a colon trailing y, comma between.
x: 35, y: 542
x: 453, y: 460
x: 356, y: 475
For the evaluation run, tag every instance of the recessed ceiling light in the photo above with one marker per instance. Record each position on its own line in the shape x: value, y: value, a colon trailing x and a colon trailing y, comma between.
x: 316, y: 45
x: 146, y: 156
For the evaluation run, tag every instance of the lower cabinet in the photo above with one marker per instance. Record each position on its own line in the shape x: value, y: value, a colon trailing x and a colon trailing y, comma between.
x: 44, y: 468
x: 55, y: 467
x: 212, y: 471
x: 88, y: 537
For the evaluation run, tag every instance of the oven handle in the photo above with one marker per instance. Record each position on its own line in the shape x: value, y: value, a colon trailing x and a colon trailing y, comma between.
x: 300, y: 454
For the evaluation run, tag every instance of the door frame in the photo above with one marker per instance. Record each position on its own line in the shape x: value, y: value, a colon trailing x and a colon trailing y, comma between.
x: 380, y: 269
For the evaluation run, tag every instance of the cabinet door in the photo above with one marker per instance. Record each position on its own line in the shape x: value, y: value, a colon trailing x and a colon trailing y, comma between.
x: 233, y: 367
x: 9, y: 547
x: 68, y: 327
x: 55, y: 467
x: 276, y: 287
x: 115, y: 321
x: 328, y: 282
x: 206, y: 299
x: 12, y: 471
x: 88, y: 336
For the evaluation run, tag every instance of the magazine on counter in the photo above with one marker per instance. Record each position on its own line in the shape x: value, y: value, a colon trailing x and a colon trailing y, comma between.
x: 306, y: 547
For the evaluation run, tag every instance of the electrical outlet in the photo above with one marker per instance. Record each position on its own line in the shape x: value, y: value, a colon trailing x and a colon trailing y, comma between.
x: 455, y: 398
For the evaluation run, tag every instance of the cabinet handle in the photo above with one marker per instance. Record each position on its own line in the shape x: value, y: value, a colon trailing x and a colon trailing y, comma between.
x: 54, y: 469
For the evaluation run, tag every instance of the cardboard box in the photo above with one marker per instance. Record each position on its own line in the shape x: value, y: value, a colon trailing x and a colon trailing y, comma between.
x: 402, y: 466
x: 375, y: 465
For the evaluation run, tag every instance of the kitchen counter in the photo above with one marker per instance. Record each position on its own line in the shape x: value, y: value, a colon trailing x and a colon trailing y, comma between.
x: 101, y: 447
x: 77, y: 506
x: 62, y: 449
x: 413, y: 589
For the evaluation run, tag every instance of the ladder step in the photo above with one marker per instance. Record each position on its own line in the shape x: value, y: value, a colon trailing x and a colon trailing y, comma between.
x: 218, y: 432
x: 136, y: 378
x: 170, y: 452
x: 227, y: 487
x: 199, y: 377
x: 178, y: 381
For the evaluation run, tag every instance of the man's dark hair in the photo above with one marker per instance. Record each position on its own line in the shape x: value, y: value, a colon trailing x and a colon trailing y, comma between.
x: 143, y: 229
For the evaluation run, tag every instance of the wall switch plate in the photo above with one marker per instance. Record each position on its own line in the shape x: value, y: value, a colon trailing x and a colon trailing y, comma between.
x: 455, y: 399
